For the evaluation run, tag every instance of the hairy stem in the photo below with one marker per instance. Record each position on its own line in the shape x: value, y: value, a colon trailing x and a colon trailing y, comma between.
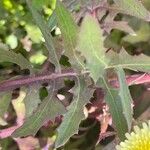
x: 30, y: 80
x: 45, y: 78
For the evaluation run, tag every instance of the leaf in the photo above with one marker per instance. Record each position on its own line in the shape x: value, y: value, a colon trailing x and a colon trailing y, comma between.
x: 50, y: 108
x: 75, y: 114
x: 112, y: 99
x: 90, y: 44
x: 69, y: 31
x: 52, y: 21
x: 46, y: 34
x: 10, y: 56
x: 142, y: 35
x: 126, y: 61
x: 5, y: 99
x: 120, y: 25
x: 32, y: 100
x: 133, y: 8
x: 126, y: 99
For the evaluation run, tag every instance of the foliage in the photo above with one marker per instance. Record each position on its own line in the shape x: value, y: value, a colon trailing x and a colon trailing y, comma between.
x: 65, y: 71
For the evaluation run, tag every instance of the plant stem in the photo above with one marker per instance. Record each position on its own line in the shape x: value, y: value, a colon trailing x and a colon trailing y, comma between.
x: 45, y: 78
x: 30, y: 80
x: 133, y: 80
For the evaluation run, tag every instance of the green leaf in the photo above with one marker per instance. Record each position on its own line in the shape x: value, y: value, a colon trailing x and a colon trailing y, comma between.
x: 50, y: 108
x: 10, y: 56
x: 52, y: 21
x: 5, y: 99
x: 112, y: 99
x: 133, y: 8
x: 46, y: 34
x: 90, y: 44
x: 142, y: 35
x: 75, y: 114
x: 69, y: 31
x: 32, y: 100
x: 126, y: 61
x: 126, y: 99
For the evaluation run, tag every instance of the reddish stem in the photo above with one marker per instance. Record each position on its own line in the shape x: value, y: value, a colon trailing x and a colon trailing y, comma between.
x: 45, y: 78
x: 133, y: 80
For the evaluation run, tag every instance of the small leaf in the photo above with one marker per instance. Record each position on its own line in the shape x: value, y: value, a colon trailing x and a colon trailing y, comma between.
x: 5, y: 99
x: 113, y: 101
x: 46, y: 34
x: 133, y: 8
x: 75, y: 114
x: 126, y: 61
x: 126, y: 99
x: 10, y: 56
x: 90, y: 44
x: 32, y: 100
x: 69, y: 31
x: 50, y: 108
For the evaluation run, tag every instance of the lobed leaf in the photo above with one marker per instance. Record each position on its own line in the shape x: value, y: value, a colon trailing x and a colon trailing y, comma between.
x: 50, y: 108
x: 69, y: 31
x: 133, y: 8
x: 90, y: 44
x: 46, y: 34
x: 75, y: 114
x: 126, y: 61
x: 10, y: 56
x: 126, y: 100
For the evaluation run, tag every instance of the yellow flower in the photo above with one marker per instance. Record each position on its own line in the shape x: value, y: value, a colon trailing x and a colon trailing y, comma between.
x: 139, y: 139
